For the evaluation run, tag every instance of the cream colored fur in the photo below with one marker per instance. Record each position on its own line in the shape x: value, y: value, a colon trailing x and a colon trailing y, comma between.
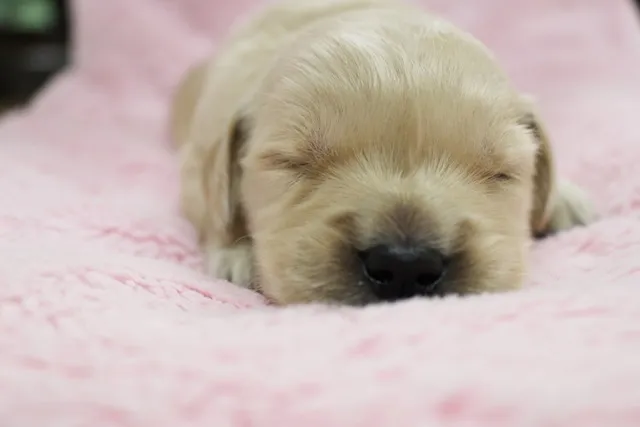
x: 323, y: 124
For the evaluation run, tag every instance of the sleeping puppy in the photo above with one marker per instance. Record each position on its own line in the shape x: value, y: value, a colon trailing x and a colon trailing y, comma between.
x: 356, y: 151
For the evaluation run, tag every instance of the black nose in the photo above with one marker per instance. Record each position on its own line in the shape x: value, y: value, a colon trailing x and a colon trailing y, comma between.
x: 397, y: 272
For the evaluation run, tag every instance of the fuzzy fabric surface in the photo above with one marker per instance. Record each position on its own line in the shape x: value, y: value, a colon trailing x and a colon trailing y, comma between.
x: 107, y: 320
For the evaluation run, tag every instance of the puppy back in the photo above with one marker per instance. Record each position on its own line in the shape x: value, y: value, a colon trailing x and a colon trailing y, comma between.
x: 184, y: 102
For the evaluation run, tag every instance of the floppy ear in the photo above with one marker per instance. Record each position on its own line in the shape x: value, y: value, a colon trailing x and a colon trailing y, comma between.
x: 211, y: 137
x: 557, y: 205
x: 544, y: 178
x: 211, y: 185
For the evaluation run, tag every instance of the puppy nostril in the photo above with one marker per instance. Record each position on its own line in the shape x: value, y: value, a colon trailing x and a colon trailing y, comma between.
x: 396, y: 272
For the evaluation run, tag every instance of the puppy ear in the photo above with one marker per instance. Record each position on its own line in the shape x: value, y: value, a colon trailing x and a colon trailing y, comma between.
x: 544, y: 178
x: 222, y: 184
x: 217, y: 213
x: 557, y: 205
x: 210, y: 135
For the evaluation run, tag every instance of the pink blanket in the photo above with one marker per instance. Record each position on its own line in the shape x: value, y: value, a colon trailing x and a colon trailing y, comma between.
x: 106, y: 319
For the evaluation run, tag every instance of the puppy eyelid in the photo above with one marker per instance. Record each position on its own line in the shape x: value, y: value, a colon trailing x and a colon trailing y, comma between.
x: 278, y: 160
x: 502, y: 177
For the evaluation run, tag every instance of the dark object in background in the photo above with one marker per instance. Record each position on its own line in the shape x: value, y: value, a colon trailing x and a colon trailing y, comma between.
x: 35, y: 38
x: 34, y: 45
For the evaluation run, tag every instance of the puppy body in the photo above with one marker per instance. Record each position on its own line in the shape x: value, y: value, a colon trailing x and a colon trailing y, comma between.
x: 325, y: 128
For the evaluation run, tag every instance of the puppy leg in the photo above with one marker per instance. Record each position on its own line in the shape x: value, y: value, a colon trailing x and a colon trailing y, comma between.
x: 233, y: 263
x: 209, y: 142
x: 571, y: 208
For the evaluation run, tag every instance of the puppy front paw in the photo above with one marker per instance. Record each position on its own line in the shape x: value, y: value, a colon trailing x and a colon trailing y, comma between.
x: 572, y: 208
x: 232, y: 263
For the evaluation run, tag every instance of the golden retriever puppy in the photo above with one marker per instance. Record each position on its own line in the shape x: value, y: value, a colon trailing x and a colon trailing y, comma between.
x: 356, y: 151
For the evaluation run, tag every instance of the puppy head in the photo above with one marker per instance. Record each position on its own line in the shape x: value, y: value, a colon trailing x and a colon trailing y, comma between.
x: 377, y: 171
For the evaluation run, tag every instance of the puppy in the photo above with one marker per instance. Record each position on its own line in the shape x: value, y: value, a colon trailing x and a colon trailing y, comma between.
x: 356, y: 151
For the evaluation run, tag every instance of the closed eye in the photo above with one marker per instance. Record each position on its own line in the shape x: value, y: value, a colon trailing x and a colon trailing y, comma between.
x: 277, y: 160
x: 502, y: 177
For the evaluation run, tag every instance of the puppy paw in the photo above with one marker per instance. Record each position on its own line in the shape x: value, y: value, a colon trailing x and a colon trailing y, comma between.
x: 233, y: 263
x: 572, y: 208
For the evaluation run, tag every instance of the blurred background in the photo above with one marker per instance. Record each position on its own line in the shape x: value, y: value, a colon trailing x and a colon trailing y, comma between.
x: 34, y: 45
x: 35, y: 38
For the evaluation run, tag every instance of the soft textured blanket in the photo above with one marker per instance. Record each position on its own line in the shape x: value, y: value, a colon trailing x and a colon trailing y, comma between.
x: 106, y: 319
